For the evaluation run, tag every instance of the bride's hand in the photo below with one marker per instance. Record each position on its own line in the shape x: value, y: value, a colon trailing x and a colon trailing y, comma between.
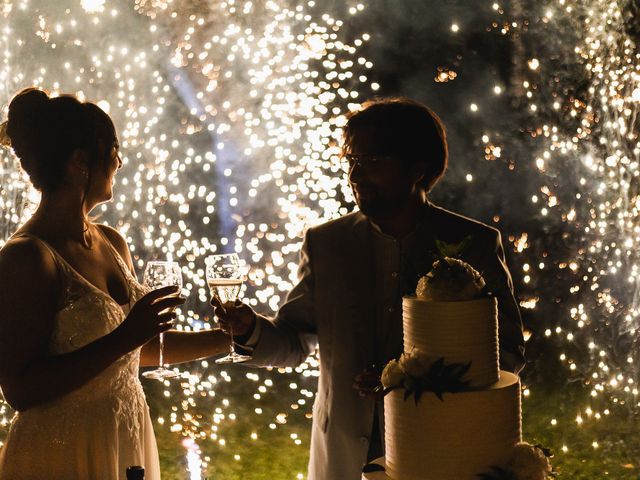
x: 151, y: 315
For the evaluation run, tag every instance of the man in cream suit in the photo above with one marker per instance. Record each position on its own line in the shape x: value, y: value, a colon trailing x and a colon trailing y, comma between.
x: 354, y: 271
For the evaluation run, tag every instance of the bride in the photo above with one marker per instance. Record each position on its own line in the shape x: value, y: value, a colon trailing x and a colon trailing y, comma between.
x: 75, y: 325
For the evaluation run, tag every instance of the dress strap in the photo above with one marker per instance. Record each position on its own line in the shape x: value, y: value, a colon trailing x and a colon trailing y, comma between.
x: 129, y: 277
x: 62, y: 269
x: 116, y: 255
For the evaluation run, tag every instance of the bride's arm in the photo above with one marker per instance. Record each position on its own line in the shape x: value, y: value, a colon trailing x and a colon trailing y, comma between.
x: 180, y: 347
x: 29, y: 374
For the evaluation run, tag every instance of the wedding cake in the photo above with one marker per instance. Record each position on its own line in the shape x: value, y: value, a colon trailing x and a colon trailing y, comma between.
x: 450, y: 412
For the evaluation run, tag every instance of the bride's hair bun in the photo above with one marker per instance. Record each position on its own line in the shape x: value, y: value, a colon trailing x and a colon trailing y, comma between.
x: 45, y: 131
x: 28, y: 101
x: 27, y: 124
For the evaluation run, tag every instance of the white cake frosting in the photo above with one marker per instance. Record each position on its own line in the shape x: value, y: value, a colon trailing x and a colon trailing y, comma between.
x: 459, y: 332
x: 465, y: 433
x: 455, y: 438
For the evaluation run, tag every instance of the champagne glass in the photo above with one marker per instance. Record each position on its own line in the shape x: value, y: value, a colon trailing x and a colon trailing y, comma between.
x: 158, y: 274
x: 224, y: 278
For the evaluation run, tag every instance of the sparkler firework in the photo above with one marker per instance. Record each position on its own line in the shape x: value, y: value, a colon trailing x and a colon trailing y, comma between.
x: 229, y: 119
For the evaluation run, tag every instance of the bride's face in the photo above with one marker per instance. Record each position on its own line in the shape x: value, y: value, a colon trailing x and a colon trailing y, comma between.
x: 102, y: 179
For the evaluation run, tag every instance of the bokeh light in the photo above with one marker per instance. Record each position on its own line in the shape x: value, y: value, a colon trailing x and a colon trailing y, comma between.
x: 229, y: 121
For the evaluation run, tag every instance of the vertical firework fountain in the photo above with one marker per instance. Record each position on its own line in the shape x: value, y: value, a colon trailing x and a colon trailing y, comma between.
x: 582, y: 90
x: 229, y: 115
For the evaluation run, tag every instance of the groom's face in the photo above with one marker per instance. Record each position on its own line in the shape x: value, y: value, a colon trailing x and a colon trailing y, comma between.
x: 382, y: 183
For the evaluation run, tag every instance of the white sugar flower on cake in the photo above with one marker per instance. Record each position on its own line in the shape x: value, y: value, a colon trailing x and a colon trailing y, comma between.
x: 525, y: 462
x: 415, y: 363
x: 450, y: 280
x: 392, y: 375
x: 530, y: 462
x: 418, y: 373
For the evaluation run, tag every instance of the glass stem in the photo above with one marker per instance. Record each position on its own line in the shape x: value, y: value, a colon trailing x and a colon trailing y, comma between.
x: 161, y: 339
x: 232, y: 350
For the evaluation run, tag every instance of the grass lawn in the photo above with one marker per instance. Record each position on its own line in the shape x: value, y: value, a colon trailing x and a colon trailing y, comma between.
x: 273, y: 455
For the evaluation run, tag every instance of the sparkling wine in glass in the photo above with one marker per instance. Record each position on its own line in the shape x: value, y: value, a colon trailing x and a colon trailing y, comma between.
x: 224, y: 277
x: 158, y: 274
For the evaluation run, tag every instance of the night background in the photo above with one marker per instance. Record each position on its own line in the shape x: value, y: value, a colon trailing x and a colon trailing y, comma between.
x: 229, y: 115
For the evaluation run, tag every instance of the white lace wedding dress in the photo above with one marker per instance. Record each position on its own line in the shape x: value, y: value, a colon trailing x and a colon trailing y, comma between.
x: 98, y: 430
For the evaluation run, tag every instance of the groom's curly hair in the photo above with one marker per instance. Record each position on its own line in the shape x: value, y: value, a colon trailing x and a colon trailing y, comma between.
x: 405, y: 128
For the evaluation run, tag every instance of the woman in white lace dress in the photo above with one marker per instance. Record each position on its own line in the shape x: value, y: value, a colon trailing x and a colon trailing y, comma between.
x: 75, y: 325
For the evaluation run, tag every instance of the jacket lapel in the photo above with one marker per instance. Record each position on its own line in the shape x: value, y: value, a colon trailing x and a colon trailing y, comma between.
x: 360, y: 273
x: 421, y: 257
x: 360, y: 285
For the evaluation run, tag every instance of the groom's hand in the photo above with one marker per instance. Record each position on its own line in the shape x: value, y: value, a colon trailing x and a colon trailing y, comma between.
x: 236, y: 316
x: 368, y: 383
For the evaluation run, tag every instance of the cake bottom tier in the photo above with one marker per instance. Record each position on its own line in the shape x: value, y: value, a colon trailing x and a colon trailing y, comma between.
x: 458, y: 437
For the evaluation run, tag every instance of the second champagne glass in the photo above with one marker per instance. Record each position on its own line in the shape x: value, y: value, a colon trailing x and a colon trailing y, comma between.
x: 158, y: 274
x: 224, y: 277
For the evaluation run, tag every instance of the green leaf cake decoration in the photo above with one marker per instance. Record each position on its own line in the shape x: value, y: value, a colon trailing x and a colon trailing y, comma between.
x: 417, y: 374
x: 453, y: 249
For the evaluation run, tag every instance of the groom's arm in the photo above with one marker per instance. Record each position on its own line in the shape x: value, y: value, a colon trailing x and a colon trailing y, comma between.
x: 500, y: 284
x: 290, y: 337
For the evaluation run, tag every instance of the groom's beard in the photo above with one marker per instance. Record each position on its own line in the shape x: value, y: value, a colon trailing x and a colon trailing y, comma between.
x: 379, y: 206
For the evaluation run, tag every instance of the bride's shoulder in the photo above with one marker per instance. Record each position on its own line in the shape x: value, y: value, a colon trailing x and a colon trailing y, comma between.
x: 25, y: 255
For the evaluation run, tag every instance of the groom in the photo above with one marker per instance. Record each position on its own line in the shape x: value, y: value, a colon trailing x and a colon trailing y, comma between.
x: 354, y: 271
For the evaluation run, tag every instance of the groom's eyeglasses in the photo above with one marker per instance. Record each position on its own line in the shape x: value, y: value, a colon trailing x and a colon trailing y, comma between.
x: 364, y: 161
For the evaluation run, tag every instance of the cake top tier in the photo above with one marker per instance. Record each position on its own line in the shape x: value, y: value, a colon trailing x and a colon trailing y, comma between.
x: 459, y: 332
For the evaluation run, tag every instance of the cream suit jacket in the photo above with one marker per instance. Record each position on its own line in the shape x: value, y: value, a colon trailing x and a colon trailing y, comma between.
x: 331, y: 308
